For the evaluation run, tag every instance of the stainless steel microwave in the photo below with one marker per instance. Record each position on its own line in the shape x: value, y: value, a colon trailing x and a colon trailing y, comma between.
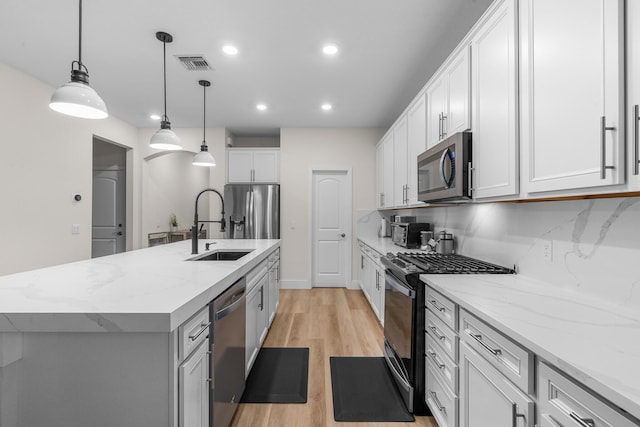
x: 444, y: 170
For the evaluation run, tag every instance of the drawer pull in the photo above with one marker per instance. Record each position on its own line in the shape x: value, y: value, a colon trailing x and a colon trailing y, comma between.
x: 435, y: 360
x: 433, y: 303
x: 478, y: 338
x: 437, y: 402
x: 515, y: 415
x: 435, y: 331
x: 583, y: 422
x: 203, y: 327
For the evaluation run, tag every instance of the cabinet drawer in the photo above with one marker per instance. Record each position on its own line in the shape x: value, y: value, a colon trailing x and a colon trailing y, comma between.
x: 564, y: 403
x: 442, y: 307
x: 446, y: 367
x: 442, y: 335
x: 254, y: 276
x: 193, y: 332
x: 514, y: 361
x: 443, y: 403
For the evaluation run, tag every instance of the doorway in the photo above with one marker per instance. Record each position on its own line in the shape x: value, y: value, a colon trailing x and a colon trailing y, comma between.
x: 109, y: 201
x: 330, y: 228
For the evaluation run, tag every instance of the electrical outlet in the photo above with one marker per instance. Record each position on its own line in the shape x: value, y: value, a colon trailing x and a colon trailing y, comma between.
x: 75, y: 229
x: 547, y: 250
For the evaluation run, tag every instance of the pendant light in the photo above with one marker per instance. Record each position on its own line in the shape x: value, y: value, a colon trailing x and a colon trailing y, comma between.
x: 77, y: 98
x: 165, y: 138
x: 204, y: 158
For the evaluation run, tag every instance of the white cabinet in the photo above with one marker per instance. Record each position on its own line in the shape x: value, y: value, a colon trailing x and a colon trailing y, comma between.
x: 257, y: 313
x: 372, y: 279
x: 384, y: 171
x: 571, y: 94
x: 400, y: 149
x: 274, y: 284
x: 633, y: 93
x: 193, y: 388
x: 494, y: 104
x: 448, y: 99
x: 487, y: 398
x: 416, y: 144
x: 564, y: 403
x: 253, y: 165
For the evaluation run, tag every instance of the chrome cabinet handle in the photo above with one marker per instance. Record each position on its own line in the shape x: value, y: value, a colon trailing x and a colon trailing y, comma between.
x: 444, y: 117
x: 583, y: 422
x: 603, y: 151
x: 439, y: 126
x: 478, y: 338
x: 435, y: 331
x: 435, y: 360
x: 434, y: 396
x: 203, y: 327
x: 636, y: 138
x: 433, y: 303
x: 382, y: 199
x: 515, y: 415
x: 470, y: 172
x: 261, y: 306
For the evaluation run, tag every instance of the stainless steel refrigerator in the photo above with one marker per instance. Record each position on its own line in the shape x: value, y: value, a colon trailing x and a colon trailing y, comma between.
x: 253, y: 211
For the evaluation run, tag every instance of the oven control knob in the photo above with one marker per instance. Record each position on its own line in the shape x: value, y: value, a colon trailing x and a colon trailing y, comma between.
x: 411, y: 268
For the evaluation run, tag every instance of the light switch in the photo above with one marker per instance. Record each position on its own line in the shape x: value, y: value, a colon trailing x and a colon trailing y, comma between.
x: 75, y: 229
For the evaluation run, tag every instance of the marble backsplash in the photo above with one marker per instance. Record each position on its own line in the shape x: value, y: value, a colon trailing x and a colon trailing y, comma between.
x: 589, y: 245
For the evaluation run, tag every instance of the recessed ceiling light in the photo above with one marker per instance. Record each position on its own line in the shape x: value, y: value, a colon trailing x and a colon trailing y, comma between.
x: 330, y: 49
x: 155, y: 117
x: 261, y: 107
x: 230, y: 50
x: 326, y: 107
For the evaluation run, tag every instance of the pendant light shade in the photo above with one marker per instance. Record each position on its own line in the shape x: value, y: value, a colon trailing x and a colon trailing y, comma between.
x: 77, y: 98
x: 204, y: 158
x: 165, y: 138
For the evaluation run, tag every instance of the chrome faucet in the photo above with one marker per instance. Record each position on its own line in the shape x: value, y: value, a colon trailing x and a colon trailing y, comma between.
x: 194, y: 228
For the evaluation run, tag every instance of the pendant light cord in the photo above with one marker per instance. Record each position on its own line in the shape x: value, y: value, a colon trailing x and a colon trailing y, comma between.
x: 164, y: 56
x: 204, y: 116
x: 80, y: 35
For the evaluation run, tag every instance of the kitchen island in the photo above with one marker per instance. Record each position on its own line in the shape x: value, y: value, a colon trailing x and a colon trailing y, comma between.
x: 96, y: 342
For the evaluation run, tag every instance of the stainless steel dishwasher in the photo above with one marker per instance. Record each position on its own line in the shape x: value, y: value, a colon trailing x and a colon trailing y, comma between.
x: 228, y: 312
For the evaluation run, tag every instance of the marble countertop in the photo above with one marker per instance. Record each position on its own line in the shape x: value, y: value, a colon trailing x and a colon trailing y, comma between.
x: 147, y: 290
x: 596, y: 342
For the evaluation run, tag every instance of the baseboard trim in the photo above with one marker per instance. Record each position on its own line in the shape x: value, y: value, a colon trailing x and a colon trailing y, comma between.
x: 355, y: 284
x: 294, y: 284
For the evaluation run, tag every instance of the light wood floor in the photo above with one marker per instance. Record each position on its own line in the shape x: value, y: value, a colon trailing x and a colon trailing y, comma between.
x: 331, y: 322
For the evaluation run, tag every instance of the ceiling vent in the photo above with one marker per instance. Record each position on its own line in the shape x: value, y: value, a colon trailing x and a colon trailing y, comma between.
x: 194, y: 62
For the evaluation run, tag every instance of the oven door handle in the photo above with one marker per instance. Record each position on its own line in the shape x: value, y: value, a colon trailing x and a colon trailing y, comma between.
x: 399, y: 287
x: 399, y: 375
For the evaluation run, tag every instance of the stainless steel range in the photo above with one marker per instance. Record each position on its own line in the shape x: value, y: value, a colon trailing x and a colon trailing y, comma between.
x: 404, y: 314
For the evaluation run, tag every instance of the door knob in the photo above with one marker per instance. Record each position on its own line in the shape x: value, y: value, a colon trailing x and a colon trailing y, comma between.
x: 342, y: 235
x: 119, y: 233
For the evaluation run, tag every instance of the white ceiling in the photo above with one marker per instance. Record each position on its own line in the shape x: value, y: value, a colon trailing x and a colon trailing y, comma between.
x: 388, y: 50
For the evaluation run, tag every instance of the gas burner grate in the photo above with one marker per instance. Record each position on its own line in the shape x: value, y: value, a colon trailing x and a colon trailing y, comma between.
x: 434, y: 263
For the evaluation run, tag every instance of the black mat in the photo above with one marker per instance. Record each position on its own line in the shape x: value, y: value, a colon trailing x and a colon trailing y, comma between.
x: 363, y: 390
x: 279, y: 375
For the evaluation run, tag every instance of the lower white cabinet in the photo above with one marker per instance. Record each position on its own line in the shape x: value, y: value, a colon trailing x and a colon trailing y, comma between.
x: 372, y: 280
x: 194, y: 382
x: 442, y: 402
x: 257, y: 320
x: 488, y: 398
x: 563, y: 403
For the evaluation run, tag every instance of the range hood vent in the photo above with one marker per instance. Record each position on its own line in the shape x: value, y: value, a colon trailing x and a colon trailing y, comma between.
x: 194, y: 62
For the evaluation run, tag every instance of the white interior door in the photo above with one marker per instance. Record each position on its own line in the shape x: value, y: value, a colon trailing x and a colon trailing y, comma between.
x: 108, y: 213
x: 331, y: 228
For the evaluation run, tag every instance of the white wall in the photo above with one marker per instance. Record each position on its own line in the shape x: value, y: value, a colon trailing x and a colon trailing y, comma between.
x: 595, y: 243
x: 45, y: 158
x: 302, y: 150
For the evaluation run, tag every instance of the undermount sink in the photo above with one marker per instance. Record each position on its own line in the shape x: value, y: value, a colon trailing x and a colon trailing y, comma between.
x: 222, y: 255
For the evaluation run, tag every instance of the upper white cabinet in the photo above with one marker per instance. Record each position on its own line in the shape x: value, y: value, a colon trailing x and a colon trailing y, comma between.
x: 494, y: 104
x: 633, y: 93
x: 253, y: 165
x: 400, y: 165
x: 572, y: 94
x: 385, y: 172
x: 448, y: 99
x: 416, y: 144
